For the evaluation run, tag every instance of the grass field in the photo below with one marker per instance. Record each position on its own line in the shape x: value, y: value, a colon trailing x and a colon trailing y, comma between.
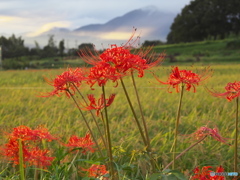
x: 20, y: 104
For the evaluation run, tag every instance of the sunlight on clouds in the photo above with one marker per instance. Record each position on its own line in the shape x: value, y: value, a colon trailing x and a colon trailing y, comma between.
x: 6, y: 19
x: 48, y: 26
x: 123, y: 35
x: 116, y: 35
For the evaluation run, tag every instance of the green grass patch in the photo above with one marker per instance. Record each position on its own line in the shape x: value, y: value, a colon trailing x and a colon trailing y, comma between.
x: 20, y: 104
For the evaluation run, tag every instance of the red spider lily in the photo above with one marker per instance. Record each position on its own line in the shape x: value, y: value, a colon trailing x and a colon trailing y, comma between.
x: 101, y: 73
x: 123, y: 60
x: 22, y: 132
x: 204, y: 173
x: 40, y: 158
x: 97, y: 171
x: 146, y: 60
x: 98, y: 104
x: 232, y: 91
x: 28, y: 137
x: 42, y: 133
x: 11, y: 151
x: 205, y: 131
x: 25, y: 133
x: 183, y: 77
x: 67, y: 82
x: 85, y: 143
x: 120, y: 58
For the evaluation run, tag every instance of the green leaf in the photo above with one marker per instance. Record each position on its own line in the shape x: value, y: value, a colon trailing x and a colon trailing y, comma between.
x: 178, y: 174
x: 170, y: 177
x: 155, y: 176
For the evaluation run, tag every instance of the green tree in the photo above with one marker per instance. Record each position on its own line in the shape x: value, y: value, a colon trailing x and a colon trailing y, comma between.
x: 61, y: 48
x: 36, y: 51
x: 202, y: 19
x: 50, y: 50
x: 13, y: 47
x: 152, y: 43
x: 86, y: 49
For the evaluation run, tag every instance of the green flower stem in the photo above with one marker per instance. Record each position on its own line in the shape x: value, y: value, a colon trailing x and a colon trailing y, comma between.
x: 95, y: 121
x: 134, y: 113
x: 87, y: 124
x: 236, y: 140
x: 149, y: 149
x: 104, y: 126
x: 36, y: 174
x: 108, y: 135
x: 186, y: 150
x: 176, y: 126
x: 141, y: 111
x: 21, y: 161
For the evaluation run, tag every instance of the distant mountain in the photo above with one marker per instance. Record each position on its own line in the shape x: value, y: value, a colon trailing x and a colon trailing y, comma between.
x: 145, y: 18
x: 151, y: 23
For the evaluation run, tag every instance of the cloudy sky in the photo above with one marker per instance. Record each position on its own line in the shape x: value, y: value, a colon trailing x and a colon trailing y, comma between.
x: 37, y: 16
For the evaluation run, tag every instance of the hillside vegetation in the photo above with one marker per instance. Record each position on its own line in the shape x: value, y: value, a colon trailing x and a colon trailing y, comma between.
x: 211, y: 51
x: 219, y: 51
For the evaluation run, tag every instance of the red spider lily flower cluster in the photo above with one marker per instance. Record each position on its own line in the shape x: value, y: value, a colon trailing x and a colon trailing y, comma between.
x: 67, y: 82
x: 97, y: 171
x: 232, y: 91
x: 101, y: 73
x: 98, y: 104
x: 124, y: 61
x: 32, y: 154
x: 204, y: 173
x: 116, y: 62
x: 205, y: 131
x: 183, y: 77
x: 85, y: 143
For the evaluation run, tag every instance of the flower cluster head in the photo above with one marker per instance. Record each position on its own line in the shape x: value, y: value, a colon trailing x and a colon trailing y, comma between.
x: 232, y: 91
x: 85, y: 143
x: 32, y: 154
x: 118, y: 61
x: 97, y: 171
x: 101, y: 73
x: 205, y: 173
x: 98, y: 105
x: 125, y: 62
x: 67, y: 82
x: 185, y: 78
x: 206, y: 131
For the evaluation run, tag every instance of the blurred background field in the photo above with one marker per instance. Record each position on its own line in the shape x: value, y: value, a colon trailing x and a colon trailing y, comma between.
x: 204, y: 52
x: 20, y: 104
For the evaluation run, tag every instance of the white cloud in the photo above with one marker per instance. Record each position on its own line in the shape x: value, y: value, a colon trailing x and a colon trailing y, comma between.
x: 47, y: 27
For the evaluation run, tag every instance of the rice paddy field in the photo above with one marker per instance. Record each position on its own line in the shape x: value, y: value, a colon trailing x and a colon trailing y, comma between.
x: 21, y: 104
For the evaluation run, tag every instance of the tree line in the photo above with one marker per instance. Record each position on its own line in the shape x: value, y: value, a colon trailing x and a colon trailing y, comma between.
x: 15, y: 55
x: 13, y: 47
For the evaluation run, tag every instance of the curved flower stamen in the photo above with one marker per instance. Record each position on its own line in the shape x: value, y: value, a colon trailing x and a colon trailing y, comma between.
x: 183, y: 77
x: 67, y: 82
x: 98, y: 104
x: 232, y: 91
